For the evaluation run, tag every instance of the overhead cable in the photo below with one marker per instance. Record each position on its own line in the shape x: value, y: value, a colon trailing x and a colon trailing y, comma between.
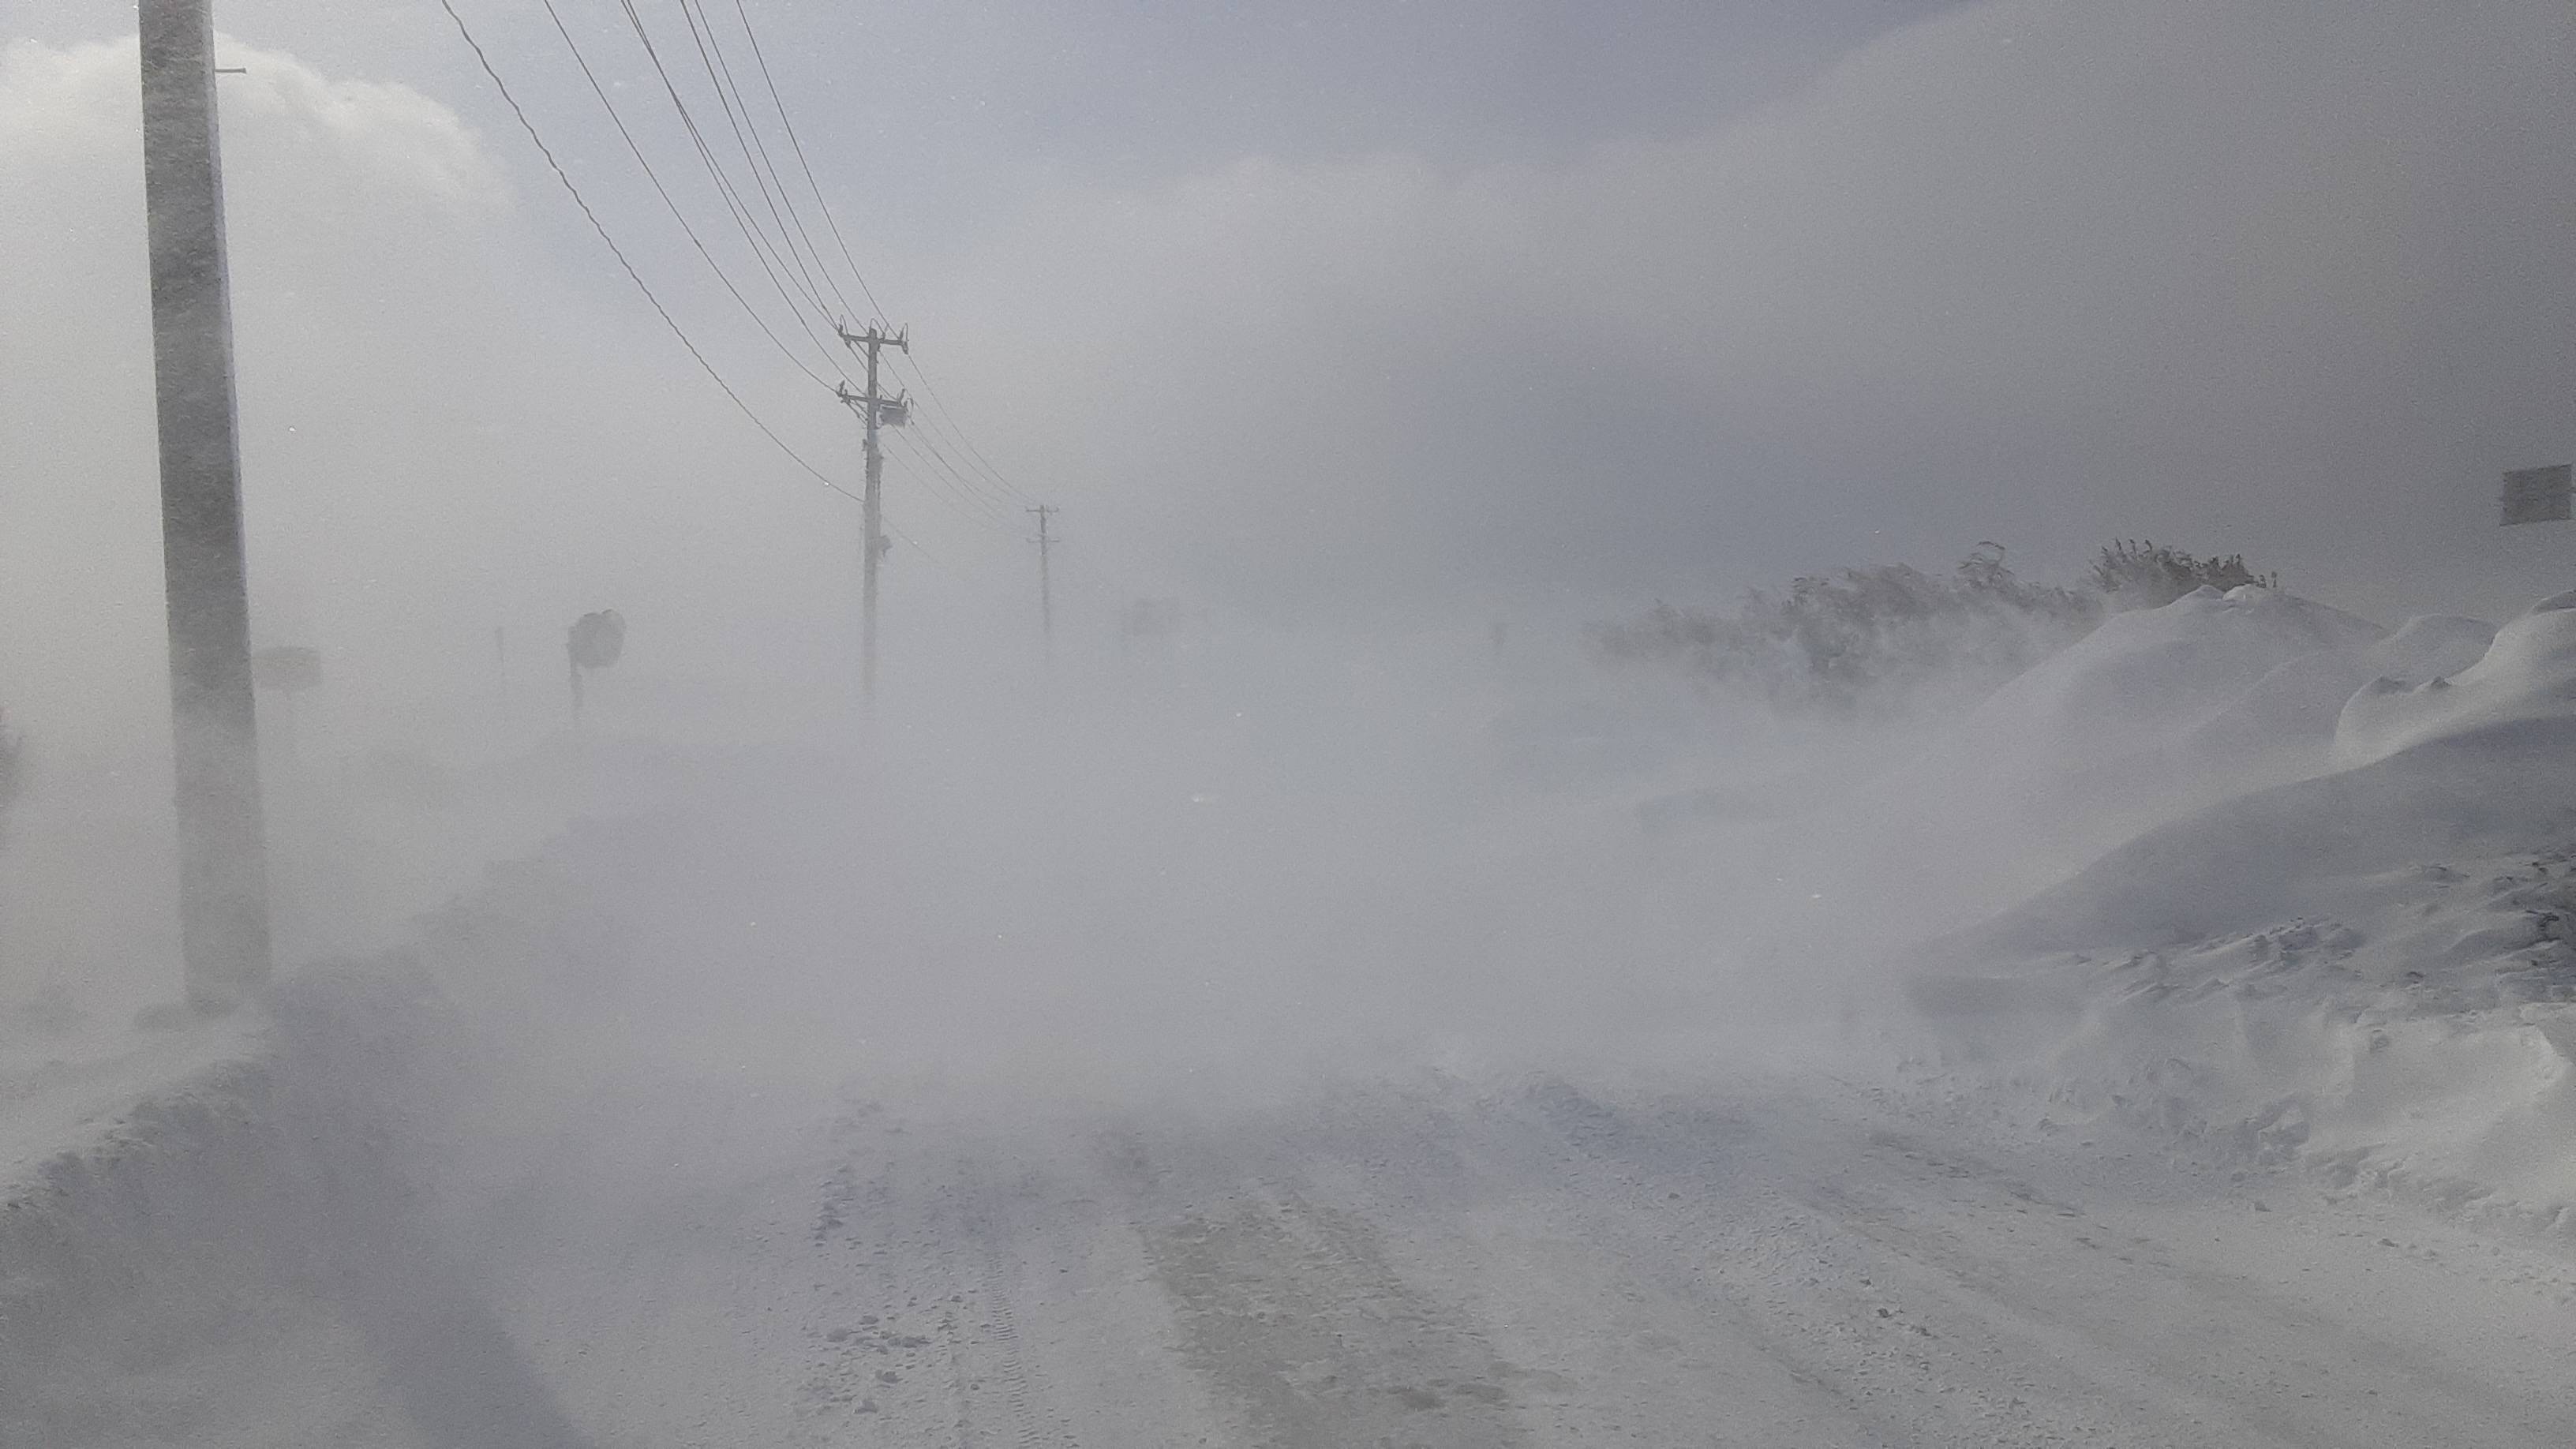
x: 618, y: 252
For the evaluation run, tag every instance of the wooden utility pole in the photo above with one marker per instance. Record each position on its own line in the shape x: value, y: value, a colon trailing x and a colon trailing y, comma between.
x: 1046, y: 587
x: 875, y: 409
x: 223, y: 859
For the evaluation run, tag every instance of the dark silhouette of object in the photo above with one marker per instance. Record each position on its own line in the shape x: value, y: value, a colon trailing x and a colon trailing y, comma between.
x: 2539, y: 495
x: 594, y: 643
x: 2148, y: 575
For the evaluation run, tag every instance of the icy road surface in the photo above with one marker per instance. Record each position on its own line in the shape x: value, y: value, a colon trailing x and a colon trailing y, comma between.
x: 1436, y: 1263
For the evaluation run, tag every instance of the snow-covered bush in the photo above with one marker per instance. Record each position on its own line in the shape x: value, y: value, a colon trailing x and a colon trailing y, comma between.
x: 2145, y: 575
x: 1865, y: 639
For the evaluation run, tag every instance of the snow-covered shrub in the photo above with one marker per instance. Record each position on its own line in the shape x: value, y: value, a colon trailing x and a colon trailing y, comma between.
x: 2145, y: 575
x: 1865, y: 639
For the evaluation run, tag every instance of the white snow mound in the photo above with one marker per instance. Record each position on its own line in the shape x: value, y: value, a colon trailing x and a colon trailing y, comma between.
x: 2370, y: 971
x: 2105, y: 739
x: 2144, y: 677
x: 2286, y: 721
x: 2527, y: 674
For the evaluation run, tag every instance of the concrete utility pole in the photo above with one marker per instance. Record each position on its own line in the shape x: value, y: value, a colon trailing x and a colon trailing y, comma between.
x: 1046, y: 587
x: 223, y: 861
x: 874, y: 409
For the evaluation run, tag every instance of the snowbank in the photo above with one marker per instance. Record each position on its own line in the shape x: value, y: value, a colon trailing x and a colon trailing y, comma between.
x: 2527, y: 675
x: 2370, y: 972
x: 2113, y: 704
x: 251, y: 1245
x: 55, y: 1096
x: 2213, y: 693
x: 2156, y: 714
x: 2284, y: 726
x: 253, y: 1215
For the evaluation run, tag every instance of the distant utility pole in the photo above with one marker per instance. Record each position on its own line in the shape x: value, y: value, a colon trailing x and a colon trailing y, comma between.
x: 223, y: 857
x: 1046, y: 588
x: 875, y: 409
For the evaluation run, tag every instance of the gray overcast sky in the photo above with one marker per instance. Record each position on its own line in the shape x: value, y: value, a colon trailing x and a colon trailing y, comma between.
x: 1522, y: 307
x: 951, y: 106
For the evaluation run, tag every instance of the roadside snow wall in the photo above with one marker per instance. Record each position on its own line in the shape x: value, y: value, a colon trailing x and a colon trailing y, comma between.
x: 252, y: 1256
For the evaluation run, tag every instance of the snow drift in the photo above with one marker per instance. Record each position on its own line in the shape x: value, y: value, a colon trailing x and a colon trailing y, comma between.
x: 2156, y: 714
x: 261, y: 1250
x: 2527, y: 676
x: 2369, y: 971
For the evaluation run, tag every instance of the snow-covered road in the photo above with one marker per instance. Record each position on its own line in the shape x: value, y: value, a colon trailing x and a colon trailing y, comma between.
x: 1435, y: 1262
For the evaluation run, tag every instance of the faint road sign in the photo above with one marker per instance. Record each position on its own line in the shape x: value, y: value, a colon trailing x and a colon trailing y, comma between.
x: 2536, y: 495
x: 594, y: 642
x: 597, y: 639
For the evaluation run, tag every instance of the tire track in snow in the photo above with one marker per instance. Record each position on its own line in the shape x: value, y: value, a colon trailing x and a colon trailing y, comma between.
x: 1518, y: 1263
x: 890, y: 1360
x: 918, y: 1219
x: 1987, y: 1311
x: 1290, y: 1309
x: 2275, y: 1369
x: 997, y: 1268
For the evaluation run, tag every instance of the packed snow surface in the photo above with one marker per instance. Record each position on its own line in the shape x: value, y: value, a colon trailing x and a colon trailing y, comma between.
x: 992, y: 1102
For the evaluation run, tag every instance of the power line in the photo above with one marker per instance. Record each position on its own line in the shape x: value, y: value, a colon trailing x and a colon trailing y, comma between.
x: 940, y: 405
x: 914, y: 543
x: 982, y: 484
x: 659, y: 189
x: 960, y: 474
x: 968, y: 506
x: 978, y: 465
x: 935, y: 560
x: 939, y: 422
x: 755, y: 152
x: 616, y: 251
x: 484, y: 60
x: 777, y: 181
x: 982, y: 493
x: 829, y: 220
x: 762, y: 250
